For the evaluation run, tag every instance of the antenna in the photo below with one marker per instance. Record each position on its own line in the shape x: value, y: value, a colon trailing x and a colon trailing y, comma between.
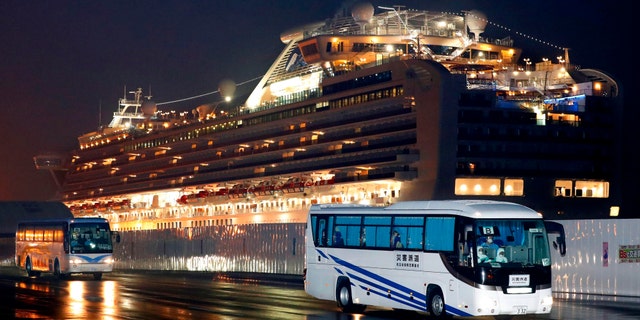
x: 99, y: 113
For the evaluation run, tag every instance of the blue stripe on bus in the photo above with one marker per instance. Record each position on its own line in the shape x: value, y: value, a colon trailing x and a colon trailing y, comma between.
x: 322, y: 254
x: 395, y: 285
x: 91, y: 260
x: 397, y: 289
x: 391, y: 295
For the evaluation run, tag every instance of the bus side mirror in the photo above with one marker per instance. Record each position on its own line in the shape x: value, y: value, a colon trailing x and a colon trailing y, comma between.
x: 116, y: 236
x: 560, y: 243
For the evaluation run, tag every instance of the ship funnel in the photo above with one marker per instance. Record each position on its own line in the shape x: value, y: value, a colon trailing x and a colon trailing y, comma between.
x: 362, y: 13
x: 476, y: 22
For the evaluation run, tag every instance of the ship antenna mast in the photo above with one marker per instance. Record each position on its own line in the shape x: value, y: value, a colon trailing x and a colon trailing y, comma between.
x: 99, y: 113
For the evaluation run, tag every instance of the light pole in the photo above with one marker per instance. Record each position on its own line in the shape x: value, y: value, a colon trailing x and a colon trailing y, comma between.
x: 527, y: 61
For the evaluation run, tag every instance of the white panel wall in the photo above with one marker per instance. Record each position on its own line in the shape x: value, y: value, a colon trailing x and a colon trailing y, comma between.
x: 585, y: 270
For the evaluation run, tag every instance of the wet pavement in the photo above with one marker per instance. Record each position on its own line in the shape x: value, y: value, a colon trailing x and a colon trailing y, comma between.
x: 228, y: 296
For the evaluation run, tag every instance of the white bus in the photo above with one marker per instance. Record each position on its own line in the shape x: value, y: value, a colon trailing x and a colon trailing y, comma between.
x: 427, y: 256
x: 65, y: 246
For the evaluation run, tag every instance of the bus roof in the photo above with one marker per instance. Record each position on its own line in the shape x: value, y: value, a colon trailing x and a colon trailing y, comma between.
x: 13, y: 211
x: 479, y: 209
x: 70, y: 220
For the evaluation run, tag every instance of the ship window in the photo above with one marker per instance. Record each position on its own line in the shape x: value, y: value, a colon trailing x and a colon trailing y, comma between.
x: 513, y: 187
x: 563, y: 188
x: 287, y: 155
x: 592, y: 189
x: 477, y: 186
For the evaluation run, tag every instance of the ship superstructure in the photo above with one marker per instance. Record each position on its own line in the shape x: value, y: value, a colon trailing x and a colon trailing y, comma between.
x: 382, y: 105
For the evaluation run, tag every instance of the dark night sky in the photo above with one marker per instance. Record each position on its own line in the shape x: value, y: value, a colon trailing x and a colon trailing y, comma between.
x: 61, y: 62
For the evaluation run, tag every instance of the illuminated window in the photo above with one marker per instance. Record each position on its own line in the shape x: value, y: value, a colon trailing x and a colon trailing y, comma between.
x: 592, y: 189
x: 582, y: 189
x: 513, y: 187
x: 48, y: 235
x: 287, y: 155
x: 477, y: 186
x: 563, y: 188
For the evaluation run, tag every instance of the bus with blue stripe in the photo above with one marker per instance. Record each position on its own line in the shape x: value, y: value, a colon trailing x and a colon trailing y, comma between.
x: 65, y: 247
x: 446, y: 258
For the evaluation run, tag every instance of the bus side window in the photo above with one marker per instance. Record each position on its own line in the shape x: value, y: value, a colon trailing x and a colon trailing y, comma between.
x: 323, y: 232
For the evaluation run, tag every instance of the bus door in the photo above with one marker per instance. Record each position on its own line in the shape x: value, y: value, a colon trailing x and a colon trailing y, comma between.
x: 322, y: 233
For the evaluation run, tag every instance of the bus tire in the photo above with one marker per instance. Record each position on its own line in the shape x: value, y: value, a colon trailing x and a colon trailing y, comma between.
x: 435, y: 303
x: 29, y: 267
x: 344, y: 298
x: 97, y: 276
x: 56, y: 269
x: 57, y: 272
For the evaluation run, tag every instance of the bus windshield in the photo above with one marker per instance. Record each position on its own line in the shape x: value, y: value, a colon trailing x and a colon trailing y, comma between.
x: 90, y: 238
x: 503, y: 242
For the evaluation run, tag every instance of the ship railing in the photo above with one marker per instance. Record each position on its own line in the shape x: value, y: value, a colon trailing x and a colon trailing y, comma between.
x: 128, y: 114
x: 477, y: 84
x: 297, y: 73
x: 507, y: 41
x: 391, y: 30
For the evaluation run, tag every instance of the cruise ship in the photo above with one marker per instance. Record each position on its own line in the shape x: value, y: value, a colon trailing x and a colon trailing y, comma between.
x: 375, y: 105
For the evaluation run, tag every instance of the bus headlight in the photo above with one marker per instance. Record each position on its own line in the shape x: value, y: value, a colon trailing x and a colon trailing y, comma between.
x: 547, y: 300
x: 76, y: 261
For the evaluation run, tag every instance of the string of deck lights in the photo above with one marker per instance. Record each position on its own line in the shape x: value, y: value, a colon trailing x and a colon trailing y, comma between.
x: 524, y: 35
x: 207, y: 94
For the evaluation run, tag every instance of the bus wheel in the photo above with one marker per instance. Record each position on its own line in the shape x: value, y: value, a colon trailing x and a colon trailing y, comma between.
x: 435, y: 303
x: 57, y: 272
x: 343, y: 297
x: 29, y: 267
x: 56, y: 269
x: 97, y: 276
